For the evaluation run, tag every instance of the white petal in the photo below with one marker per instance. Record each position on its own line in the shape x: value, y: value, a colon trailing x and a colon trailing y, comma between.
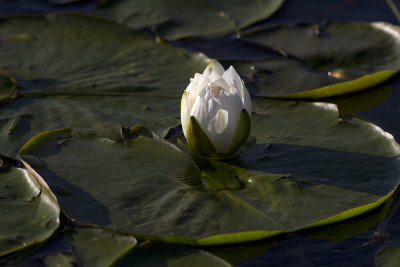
x: 217, y: 129
x: 190, y: 86
x: 233, y: 79
x: 199, y: 83
x: 220, y: 121
x: 204, y: 109
x: 214, y: 76
x: 233, y: 106
x: 220, y: 83
x: 231, y: 102
x: 246, y: 100
x: 218, y: 111
x: 214, y: 67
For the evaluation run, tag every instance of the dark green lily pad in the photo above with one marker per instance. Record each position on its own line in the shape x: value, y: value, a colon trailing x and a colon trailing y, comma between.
x: 30, y: 212
x: 78, y: 55
x: 351, y: 104
x: 335, y: 59
x: 357, y: 226
x: 389, y: 256
x: 104, y: 115
x: 161, y: 254
x: 75, y: 246
x: 7, y: 86
x: 318, y: 125
x: 299, y: 168
x: 89, y: 74
x: 178, y: 19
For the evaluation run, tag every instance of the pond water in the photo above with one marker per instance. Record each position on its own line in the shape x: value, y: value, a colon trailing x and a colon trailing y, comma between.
x: 353, y: 243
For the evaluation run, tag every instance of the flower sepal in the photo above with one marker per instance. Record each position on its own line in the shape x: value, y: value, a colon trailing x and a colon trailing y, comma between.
x: 242, y: 131
x: 197, y: 140
x: 201, y: 146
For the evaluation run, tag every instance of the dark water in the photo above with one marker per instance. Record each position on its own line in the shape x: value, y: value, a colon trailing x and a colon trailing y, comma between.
x: 387, y: 114
x: 353, y: 243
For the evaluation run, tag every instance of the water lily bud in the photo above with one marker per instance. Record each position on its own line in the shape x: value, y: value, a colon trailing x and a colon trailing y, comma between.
x: 215, y: 111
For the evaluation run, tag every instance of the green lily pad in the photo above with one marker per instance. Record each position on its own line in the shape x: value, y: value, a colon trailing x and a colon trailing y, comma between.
x: 75, y: 246
x: 27, y: 116
x: 79, y: 55
x: 124, y: 78
x: 357, y: 226
x: 307, y: 164
x: 30, y: 212
x: 323, y: 61
x: 389, y: 256
x: 178, y: 19
x: 161, y: 254
x: 7, y: 86
x: 361, y: 101
x: 318, y: 125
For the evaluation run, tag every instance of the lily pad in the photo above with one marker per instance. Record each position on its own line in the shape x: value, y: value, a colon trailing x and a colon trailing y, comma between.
x: 104, y: 115
x: 124, y: 78
x: 318, y: 125
x: 178, y: 19
x: 356, y: 227
x: 388, y: 257
x: 30, y: 212
x: 333, y: 59
x: 361, y: 101
x: 76, y: 246
x: 7, y: 86
x: 161, y: 254
x: 120, y: 60
x: 300, y: 168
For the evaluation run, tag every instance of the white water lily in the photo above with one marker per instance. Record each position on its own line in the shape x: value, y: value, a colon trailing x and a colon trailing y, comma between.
x: 215, y: 111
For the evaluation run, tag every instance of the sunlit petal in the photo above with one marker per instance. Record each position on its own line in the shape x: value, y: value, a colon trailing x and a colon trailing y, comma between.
x: 199, y: 83
x: 214, y: 67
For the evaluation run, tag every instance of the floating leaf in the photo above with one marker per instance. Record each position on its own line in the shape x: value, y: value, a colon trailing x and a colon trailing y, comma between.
x: 161, y: 254
x: 318, y: 125
x: 358, y: 226
x: 30, y: 212
x: 389, y: 256
x: 361, y: 101
x: 178, y: 19
x: 120, y: 61
x: 300, y: 168
x: 75, y: 246
x: 335, y: 59
x: 124, y: 78
x: 7, y: 86
x: 23, y: 118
